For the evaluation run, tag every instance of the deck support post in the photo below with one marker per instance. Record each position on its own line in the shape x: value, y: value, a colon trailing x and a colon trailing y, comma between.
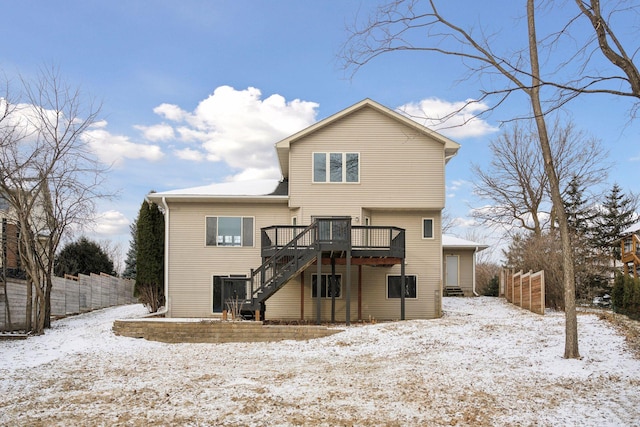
x: 359, y: 292
x: 302, y: 296
x: 348, y: 288
x: 403, y: 286
x: 319, y: 288
x: 333, y: 288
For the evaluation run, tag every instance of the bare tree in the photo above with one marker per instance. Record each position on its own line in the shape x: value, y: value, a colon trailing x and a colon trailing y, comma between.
x: 419, y: 26
x: 613, y: 48
x: 50, y: 175
x: 515, y: 181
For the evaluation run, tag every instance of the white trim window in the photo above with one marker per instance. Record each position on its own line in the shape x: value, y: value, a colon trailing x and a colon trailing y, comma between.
x: 427, y: 228
x: 410, y: 286
x: 325, y: 285
x: 336, y: 168
x: 229, y: 231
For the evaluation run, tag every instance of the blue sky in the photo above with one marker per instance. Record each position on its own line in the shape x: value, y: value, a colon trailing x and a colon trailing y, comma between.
x: 195, y: 92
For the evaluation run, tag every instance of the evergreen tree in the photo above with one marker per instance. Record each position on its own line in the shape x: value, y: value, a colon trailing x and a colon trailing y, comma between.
x: 589, y: 266
x: 580, y: 215
x: 130, y: 262
x: 618, y: 214
x: 83, y: 257
x: 150, y: 256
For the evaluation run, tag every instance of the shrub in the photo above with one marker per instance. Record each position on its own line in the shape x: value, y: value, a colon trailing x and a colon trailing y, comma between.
x: 625, y: 296
x: 493, y: 288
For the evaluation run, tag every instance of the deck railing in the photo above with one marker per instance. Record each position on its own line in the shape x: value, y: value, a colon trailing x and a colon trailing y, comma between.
x: 363, y: 238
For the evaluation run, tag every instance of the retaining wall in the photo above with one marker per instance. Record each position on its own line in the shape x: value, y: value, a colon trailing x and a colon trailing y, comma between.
x: 215, y: 331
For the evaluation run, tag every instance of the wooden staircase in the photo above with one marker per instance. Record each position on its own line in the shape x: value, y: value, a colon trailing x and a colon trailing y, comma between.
x: 453, y: 291
x: 285, y: 264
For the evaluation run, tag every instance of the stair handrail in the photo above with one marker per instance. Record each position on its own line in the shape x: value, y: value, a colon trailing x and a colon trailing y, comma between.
x: 272, y: 260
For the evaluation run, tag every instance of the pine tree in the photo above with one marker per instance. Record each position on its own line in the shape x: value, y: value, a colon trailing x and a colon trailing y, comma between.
x: 580, y: 215
x: 150, y: 256
x: 83, y: 257
x: 589, y: 265
x: 130, y: 262
x: 618, y: 214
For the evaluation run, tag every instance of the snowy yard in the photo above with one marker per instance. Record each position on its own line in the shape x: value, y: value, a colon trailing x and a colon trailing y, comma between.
x: 483, y: 363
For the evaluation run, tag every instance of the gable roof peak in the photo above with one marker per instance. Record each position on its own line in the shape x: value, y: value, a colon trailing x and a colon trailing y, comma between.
x: 282, y: 147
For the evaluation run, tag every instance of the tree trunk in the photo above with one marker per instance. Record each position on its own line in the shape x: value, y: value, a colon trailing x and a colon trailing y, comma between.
x: 571, y: 321
x: 7, y: 308
x: 47, y: 302
x: 29, y: 307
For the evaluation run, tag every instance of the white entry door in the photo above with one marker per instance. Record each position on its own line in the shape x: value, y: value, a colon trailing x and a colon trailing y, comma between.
x: 452, y: 270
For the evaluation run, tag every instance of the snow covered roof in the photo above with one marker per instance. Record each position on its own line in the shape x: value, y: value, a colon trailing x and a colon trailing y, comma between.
x: 449, y: 241
x: 240, y: 189
x: 633, y: 229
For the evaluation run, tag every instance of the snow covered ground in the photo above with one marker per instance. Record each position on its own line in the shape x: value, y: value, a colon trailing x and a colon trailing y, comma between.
x: 484, y: 363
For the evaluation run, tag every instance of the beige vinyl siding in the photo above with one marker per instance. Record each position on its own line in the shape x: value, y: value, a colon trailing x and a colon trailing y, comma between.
x: 465, y: 268
x: 424, y: 260
x: 399, y: 168
x: 193, y: 264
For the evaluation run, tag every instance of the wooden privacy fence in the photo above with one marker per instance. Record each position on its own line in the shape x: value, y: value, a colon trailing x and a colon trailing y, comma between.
x: 525, y: 290
x: 68, y: 296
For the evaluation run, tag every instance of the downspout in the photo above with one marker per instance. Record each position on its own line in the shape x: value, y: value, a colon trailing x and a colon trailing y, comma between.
x: 473, y: 271
x: 165, y: 310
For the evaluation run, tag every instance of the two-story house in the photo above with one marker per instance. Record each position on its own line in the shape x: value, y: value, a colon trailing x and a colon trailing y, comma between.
x: 357, y: 213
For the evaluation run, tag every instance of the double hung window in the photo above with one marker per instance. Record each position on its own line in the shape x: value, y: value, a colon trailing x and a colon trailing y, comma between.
x: 229, y: 231
x: 336, y: 167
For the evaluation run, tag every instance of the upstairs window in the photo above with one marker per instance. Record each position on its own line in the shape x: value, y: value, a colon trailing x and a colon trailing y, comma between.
x: 336, y: 167
x: 229, y: 231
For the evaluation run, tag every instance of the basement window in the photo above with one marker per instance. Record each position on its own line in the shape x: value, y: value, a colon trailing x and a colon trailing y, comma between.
x: 393, y: 286
x: 325, y: 285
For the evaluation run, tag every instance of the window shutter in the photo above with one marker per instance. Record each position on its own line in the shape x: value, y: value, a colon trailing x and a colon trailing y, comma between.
x: 211, y: 232
x: 247, y: 231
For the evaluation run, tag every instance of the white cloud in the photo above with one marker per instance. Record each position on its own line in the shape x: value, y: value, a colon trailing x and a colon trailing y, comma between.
x: 161, y: 132
x: 113, y: 149
x: 239, y: 128
x: 189, y: 154
x: 170, y: 112
x: 453, y: 119
x: 456, y: 184
x: 111, y: 223
x: 461, y: 222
